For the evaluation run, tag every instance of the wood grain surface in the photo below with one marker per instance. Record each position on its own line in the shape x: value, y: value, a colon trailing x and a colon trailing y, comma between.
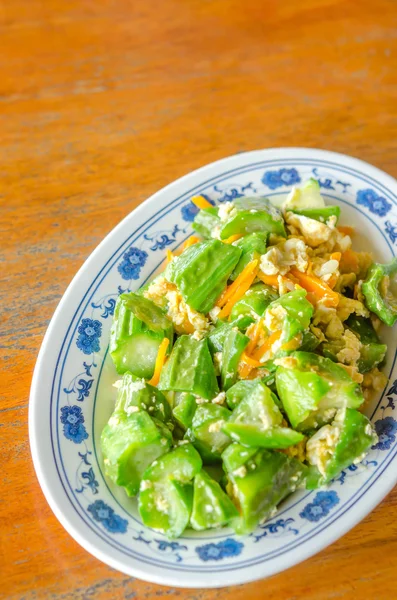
x: 103, y: 102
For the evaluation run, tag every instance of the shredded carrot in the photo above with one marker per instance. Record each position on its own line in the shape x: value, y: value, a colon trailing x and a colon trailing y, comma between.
x: 232, y: 238
x: 250, y: 361
x: 244, y: 370
x: 243, y: 287
x: 274, y: 280
x: 268, y: 279
x: 253, y: 374
x: 191, y: 241
x: 336, y: 256
x: 201, y: 202
x: 316, y: 286
x: 247, y: 363
x: 346, y: 230
x: 170, y: 256
x: 310, y: 297
x: 261, y: 351
x: 231, y: 289
x: 160, y: 360
x: 255, y: 335
x: 332, y: 281
x: 349, y: 262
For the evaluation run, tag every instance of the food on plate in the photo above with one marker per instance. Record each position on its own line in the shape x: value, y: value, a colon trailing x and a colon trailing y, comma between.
x: 245, y: 365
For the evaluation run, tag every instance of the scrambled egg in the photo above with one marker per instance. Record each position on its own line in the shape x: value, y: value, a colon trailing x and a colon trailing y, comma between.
x: 321, y: 446
x: 334, y: 329
x: 350, y: 354
x: 374, y: 381
x: 289, y: 362
x: 157, y: 291
x: 347, y: 306
x: 323, y: 314
x: 216, y: 426
x: 298, y: 451
x: 279, y: 259
x: 184, y: 318
x: 285, y: 285
x: 213, y: 314
x: 218, y: 357
x: 365, y: 260
x: 226, y: 211
x: 325, y: 268
x: 353, y: 372
x: 274, y: 317
x: 314, y: 232
x: 161, y: 503
x: 220, y: 398
x: 337, y: 242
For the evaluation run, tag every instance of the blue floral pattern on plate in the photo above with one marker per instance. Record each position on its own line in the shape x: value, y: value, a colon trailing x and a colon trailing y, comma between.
x: 133, y: 260
x: 89, y: 333
x: 72, y: 419
x: 321, y: 505
x: 189, y: 211
x: 375, y: 203
x: 386, y: 429
x: 105, y: 515
x: 224, y: 549
x: 280, y: 178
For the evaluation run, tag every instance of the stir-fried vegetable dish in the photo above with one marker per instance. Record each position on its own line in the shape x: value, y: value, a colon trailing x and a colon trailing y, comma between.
x: 246, y: 364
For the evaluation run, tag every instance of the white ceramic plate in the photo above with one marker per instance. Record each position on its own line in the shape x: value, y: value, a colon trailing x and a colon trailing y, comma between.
x: 72, y: 396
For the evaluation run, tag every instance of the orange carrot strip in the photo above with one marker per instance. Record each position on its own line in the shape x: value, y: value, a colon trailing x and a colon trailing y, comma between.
x: 191, y: 241
x: 336, y: 256
x: 250, y: 361
x: 170, y: 256
x: 160, y: 360
x: 201, y: 202
x: 332, y: 281
x: 244, y: 370
x: 316, y: 286
x: 346, y: 229
x: 253, y: 374
x: 233, y: 238
x: 255, y: 335
x: 245, y: 273
x: 268, y: 279
x: 311, y: 298
x: 261, y: 351
x: 240, y: 291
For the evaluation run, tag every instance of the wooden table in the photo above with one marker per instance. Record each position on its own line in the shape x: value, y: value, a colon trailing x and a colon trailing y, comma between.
x: 103, y: 102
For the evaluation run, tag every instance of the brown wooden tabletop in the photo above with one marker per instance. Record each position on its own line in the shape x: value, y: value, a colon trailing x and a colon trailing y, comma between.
x: 103, y: 102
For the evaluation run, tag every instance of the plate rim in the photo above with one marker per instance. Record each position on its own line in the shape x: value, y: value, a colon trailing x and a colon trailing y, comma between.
x: 243, y: 572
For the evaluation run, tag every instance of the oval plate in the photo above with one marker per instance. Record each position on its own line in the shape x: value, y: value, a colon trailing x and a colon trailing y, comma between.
x: 72, y: 396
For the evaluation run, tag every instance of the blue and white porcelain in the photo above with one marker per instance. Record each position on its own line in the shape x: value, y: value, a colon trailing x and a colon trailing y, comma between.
x: 72, y: 393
